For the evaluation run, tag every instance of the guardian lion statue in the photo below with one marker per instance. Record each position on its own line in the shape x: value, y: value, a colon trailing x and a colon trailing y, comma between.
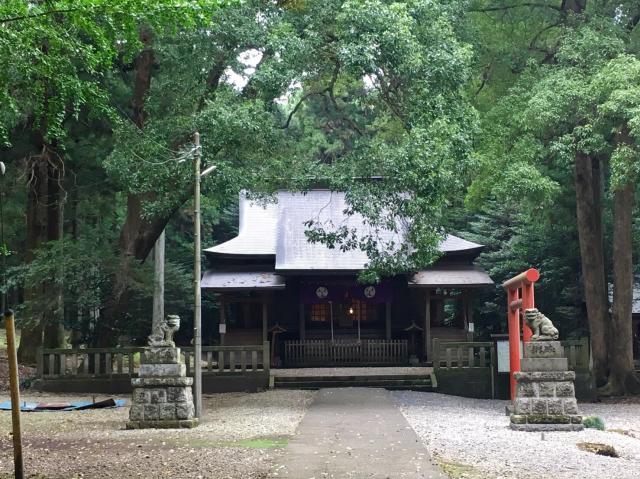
x: 542, y: 327
x: 163, y: 334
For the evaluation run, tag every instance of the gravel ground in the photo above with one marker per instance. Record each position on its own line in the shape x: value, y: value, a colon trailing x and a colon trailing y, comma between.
x: 239, y: 438
x: 471, y: 439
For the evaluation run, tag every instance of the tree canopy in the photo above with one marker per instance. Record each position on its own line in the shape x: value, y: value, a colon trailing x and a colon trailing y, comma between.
x: 513, y: 124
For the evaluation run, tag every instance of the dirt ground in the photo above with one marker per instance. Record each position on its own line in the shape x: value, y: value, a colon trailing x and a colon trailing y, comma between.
x: 239, y: 438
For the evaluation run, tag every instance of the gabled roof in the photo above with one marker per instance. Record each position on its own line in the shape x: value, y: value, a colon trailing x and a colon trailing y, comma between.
x: 450, y: 277
x: 241, y: 280
x: 278, y: 229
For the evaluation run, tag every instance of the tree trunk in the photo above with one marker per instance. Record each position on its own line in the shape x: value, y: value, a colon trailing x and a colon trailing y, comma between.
x: 622, y: 376
x: 589, y: 215
x: 115, y: 310
x: 44, y: 223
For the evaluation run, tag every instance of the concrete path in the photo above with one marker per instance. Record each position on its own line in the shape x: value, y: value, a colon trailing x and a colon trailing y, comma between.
x: 355, y: 433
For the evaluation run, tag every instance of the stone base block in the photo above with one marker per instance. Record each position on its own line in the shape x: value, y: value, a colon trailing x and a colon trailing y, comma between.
x: 163, y: 424
x: 546, y: 422
x: 540, y: 376
x: 162, y: 370
x: 160, y: 382
x: 161, y: 355
x: 546, y: 427
x: 544, y: 364
x: 543, y: 349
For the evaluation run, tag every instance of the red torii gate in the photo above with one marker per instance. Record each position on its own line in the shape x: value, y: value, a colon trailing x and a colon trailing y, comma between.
x: 519, y: 297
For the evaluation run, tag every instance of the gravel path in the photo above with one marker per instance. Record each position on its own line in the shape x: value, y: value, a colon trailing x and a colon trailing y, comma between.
x: 240, y: 438
x: 471, y: 438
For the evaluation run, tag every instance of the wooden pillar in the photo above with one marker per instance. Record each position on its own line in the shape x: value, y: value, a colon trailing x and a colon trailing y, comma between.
x: 303, y: 334
x: 223, y: 320
x: 387, y: 319
x: 427, y: 324
x: 265, y: 318
x: 246, y: 314
x: 468, y: 315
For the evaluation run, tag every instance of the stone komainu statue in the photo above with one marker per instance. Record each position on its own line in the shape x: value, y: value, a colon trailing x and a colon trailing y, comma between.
x: 163, y: 334
x: 542, y: 327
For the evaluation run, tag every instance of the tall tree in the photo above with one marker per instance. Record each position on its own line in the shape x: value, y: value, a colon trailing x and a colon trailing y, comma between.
x: 557, y: 106
x: 54, y: 55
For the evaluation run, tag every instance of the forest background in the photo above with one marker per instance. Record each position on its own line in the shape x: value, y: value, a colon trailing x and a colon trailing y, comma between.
x: 515, y: 124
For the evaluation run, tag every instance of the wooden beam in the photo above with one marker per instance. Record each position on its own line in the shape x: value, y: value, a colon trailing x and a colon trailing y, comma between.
x: 265, y: 319
x: 223, y: 319
x: 468, y: 309
x: 387, y: 319
x: 303, y: 334
x: 427, y: 324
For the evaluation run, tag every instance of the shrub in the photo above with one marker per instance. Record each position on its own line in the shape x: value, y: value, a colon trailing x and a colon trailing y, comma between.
x: 593, y: 422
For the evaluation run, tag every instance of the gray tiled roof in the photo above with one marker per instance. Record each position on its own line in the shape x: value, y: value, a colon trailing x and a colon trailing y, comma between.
x: 466, y: 275
x: 278, y: 229
x: 241, y: 280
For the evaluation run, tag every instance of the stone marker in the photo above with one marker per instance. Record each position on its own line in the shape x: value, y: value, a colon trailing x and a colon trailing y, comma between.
x: 162, y: 396
x: 545, y: 394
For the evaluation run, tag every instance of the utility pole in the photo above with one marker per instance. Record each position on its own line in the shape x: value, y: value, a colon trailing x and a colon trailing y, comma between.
x: 197, y: 310
x: 4, y: 250
x: 158, y: 283
x: 15, y: 394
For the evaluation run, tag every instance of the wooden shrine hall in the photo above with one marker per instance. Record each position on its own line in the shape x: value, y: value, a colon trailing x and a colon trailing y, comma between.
x: 273, y: 285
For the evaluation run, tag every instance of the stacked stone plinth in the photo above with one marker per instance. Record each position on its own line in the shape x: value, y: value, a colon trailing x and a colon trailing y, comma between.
x: 545, y: 393
x: 162, y: 396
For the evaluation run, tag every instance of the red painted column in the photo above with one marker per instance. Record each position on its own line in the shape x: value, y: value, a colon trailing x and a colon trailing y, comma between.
x: 513, y: 318
x: 527, y: 303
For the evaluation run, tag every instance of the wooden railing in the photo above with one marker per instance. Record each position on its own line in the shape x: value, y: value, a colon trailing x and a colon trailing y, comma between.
x: 324, y: 352
x: 461, y: 354
x: 230, y: 359
x: 123, y: 362
x: 577, y: 352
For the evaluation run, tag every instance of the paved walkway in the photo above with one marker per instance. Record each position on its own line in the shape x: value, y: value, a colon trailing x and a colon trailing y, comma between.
x: 355, y: 433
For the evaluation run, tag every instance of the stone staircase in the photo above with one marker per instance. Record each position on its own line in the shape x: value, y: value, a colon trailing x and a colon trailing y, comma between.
x: 412, y: 382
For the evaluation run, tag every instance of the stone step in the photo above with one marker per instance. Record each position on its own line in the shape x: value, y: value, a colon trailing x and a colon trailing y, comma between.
x: 317, y: 383
x: 363, y: 377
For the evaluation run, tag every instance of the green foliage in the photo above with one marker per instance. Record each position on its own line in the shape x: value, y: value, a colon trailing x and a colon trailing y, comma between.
x: 54, y: 55
x: 593, y: 422
x: 469, y: 113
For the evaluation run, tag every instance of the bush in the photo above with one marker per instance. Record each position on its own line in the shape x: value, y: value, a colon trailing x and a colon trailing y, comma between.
x: 593, y: 422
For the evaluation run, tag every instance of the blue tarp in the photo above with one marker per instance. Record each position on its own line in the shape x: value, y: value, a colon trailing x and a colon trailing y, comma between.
x: 73, y: 406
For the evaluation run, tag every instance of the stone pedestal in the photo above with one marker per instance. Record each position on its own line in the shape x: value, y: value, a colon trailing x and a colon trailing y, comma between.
x: 545, y: 394
x: 162, y: 396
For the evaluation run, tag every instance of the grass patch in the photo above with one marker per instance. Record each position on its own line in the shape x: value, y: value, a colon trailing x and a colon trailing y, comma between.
x: 255, y: 443
x: 598, y: 448
x: 626, y: 432
x: 458, y: 471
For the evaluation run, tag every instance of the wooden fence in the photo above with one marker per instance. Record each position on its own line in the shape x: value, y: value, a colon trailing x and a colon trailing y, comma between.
x: 577, y: 352
x: 110, y: 362
x: 465, y: 368
x: 462, y: 354
x: 345, y: 352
